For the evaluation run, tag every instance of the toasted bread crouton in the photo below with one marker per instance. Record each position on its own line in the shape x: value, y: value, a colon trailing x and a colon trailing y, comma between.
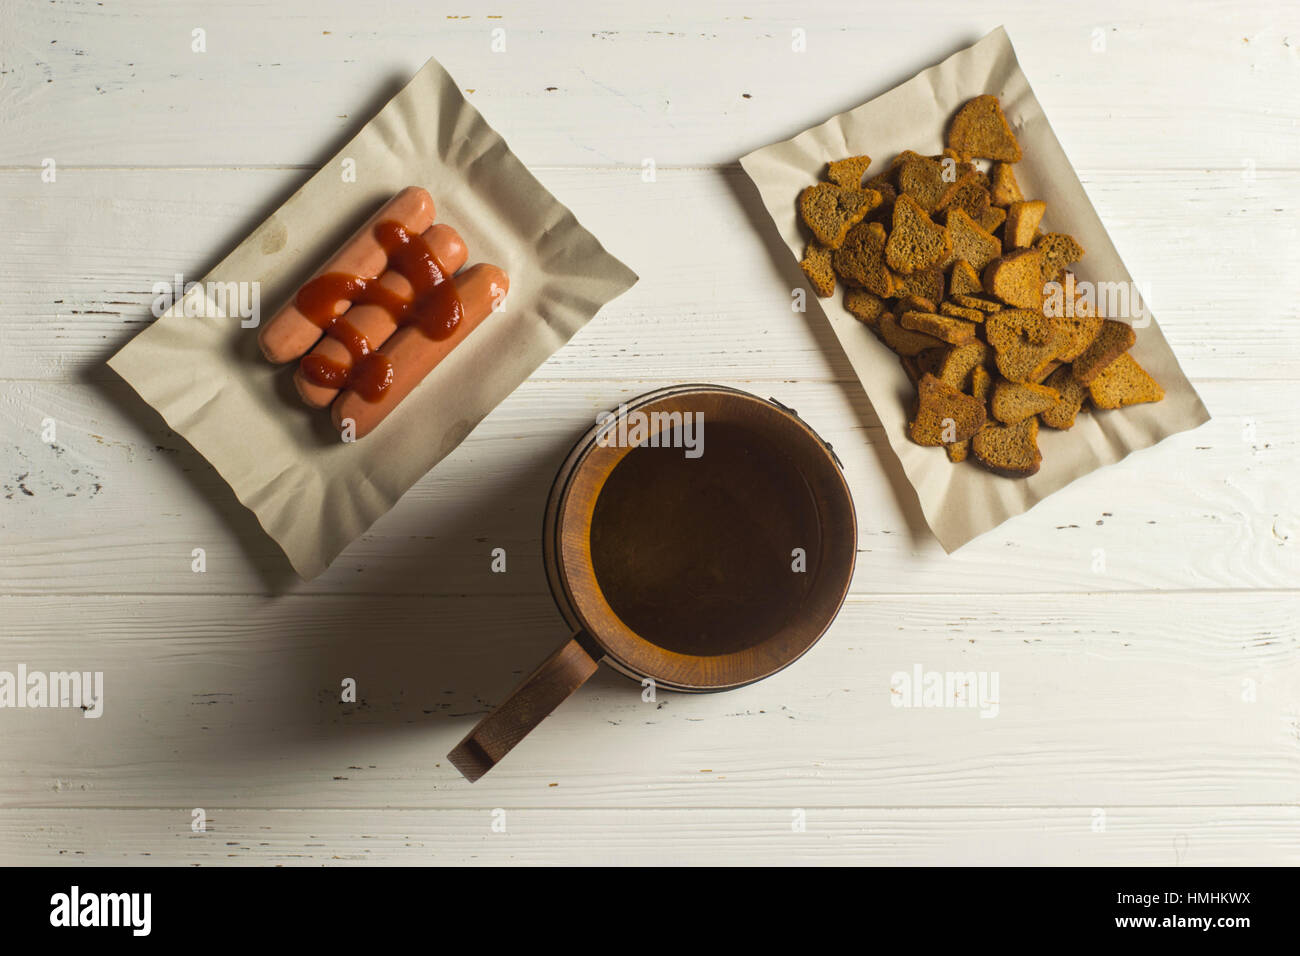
x: 905, y: 341
x: 960, y: 362
x: 969, y: 241
x: 964, y: 278
x: 915, y: 242
x: 848, y: 172
x: 1072, y: 391
x: 930, y: 183
x: 981, y: 383
x: 1077, y: 333
x: 1123, y: 382
x: 1112, y: 340
x: 1022, y: 223
x: 860, y: 261
x: 981, y: 389
x: 1009, y: 450
x: 886, y: 184
x: 1015, y: 401
x: 943, y: 414
x: 830, y: 211
x: 992, y: 219
x: 927, y: 360
x: 913, y: 303
x: 981, y: 129
x: 1043, y: 371
x: 1023, y: 342
x: 960, y: 311
x: 1016, y: 279
x: 816, y: 265
x: 1059, y: 250
x: 931, y: 360
x: 970, y: 196
x: 926, y: 284
x: 976, y: 301
x: 864, y: 306
x: 1005, y: 190
x: 954, y: 331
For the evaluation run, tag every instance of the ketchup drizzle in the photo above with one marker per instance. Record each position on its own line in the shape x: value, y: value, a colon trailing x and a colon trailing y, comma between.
x: 434, y: 308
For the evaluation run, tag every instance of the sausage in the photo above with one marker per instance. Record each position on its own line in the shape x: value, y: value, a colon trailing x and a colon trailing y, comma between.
x: 414, y: 354
x: 374, y: 322
x: 290, y: 334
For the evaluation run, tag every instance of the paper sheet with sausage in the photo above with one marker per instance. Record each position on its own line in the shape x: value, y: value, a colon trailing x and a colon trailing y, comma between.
x: 388, y: 268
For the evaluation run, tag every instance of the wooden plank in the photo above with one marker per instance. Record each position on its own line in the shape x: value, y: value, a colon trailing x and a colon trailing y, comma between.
x: 1132, y: 836
x: 118, y: 504
x: 714, y: 299
x: 98, y: 84
x: 1128, y: 700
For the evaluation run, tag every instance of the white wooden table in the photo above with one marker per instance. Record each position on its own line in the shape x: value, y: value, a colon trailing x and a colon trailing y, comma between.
x: 1149, y: 710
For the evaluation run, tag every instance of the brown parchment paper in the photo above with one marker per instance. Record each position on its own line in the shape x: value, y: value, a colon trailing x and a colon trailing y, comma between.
x: 961, y: 501
x: 313, y: 493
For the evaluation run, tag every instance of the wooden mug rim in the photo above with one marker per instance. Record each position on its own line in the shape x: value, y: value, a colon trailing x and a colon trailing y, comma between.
x: 639, y: 657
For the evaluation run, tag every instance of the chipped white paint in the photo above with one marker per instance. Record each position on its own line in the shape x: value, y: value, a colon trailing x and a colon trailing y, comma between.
x: 1162, y: 690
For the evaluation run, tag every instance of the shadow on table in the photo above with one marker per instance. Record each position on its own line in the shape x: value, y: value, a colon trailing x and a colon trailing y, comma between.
x: 430, y: 659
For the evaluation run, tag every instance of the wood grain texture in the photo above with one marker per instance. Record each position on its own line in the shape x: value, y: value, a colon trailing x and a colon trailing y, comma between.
x: 236, y: 702
x: 1142, y: 623
x: 609, y: 85
x: 534, y: 836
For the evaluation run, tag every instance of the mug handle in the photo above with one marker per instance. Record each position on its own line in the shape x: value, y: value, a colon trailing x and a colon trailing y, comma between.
x: 527, y: 706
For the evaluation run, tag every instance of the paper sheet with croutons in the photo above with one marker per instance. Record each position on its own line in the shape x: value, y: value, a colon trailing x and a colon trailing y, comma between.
x: 946, y: 238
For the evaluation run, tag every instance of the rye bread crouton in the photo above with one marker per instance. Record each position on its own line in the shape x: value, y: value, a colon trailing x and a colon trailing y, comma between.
x: 928, y: 182
x: 970, y: 196
x: 960, y: 363
x: 830, y: 211
x: 913, y: 303
x: 981, y: 388
x: 976, y: 301
x: 1016, y: 279
x: 981, y: 129
x: 994, y: 218
x: 927, y: 361
x: 1015, y: 401
x: 1123, y: 382
x: 945, y: 327
x: 1023, y: 342
x: 969, y: 241
x: 905, y: 341
x: 860, y: 261
x: 1059, y: 251
x: 964, y: 278
x: 960, y: 311
x: 1009, y: 450
x: 1113, y: 339
x: 926, y: 284
x: 915, y: 242
x: 1005, y: 190
x: 943, y: 415
x: 1061, y: 415
x: 1022, y: 223
x: 864, y: 306
x: 1077, y: 333
x: 848, y: 172
x: 816, y: 265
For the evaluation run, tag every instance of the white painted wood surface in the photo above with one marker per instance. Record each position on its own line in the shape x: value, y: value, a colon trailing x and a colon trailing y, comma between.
x: 1148, y: 712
